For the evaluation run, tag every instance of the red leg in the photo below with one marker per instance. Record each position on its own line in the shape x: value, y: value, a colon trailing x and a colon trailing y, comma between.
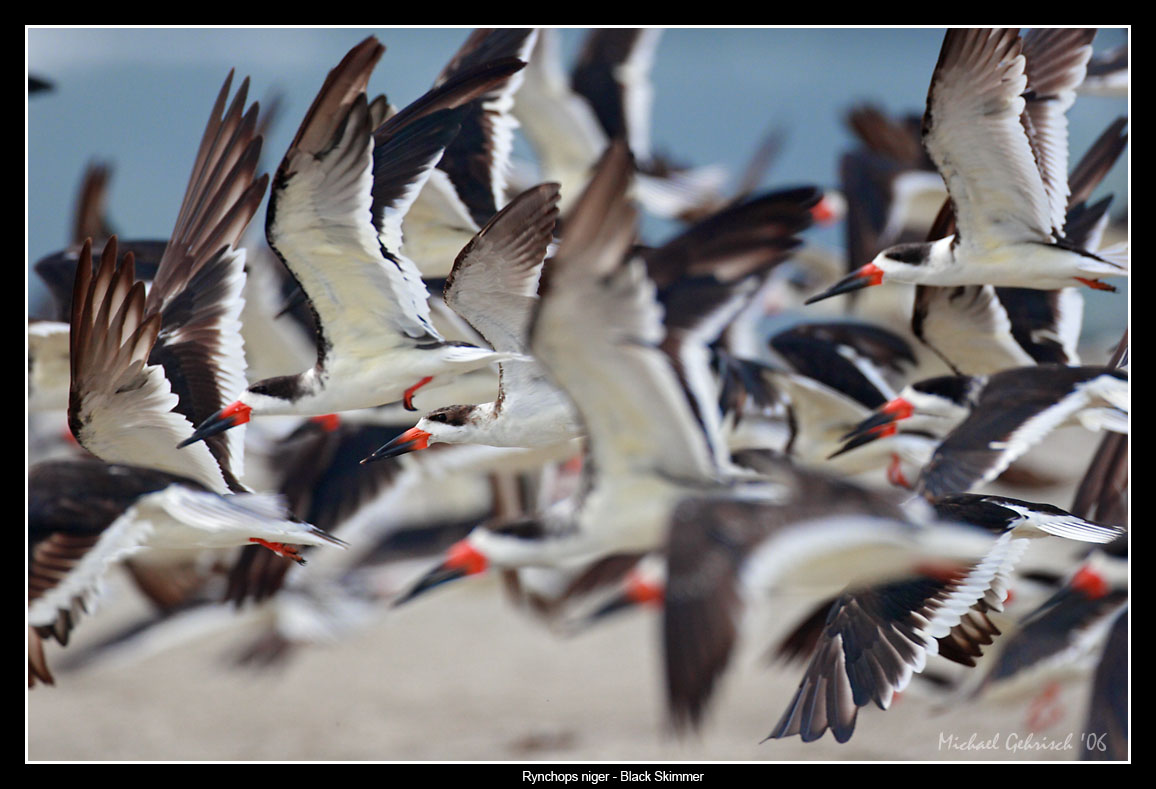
x: 407, y: 399
x: 1095, y: 284
x: 895, y: 473
x: 281, y: 549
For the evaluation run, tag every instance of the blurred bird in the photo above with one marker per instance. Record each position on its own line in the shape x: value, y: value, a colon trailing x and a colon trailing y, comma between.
x: 85, y: 515
x: 569, y: 123
x: 992, y: 420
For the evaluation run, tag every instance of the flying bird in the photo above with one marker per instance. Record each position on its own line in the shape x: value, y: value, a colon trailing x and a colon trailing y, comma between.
x: 995, y: 127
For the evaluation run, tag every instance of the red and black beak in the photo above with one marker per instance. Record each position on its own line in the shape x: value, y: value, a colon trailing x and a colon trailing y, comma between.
x: 637, y: 592
x: 462, y: 560
x: 861, y: 278
x: 881, y: 423
x: 227, y: 417
x: 409, y: 441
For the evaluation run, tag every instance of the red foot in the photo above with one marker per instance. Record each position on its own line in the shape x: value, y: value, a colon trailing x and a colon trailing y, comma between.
x: 1047, y: 709
x: 407, y: 398
x: 1095, y: 284
x: 281, y: 549
x: 895, y: 473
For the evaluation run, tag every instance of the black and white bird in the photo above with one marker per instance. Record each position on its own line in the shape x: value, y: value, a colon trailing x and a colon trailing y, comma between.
x: 996, y: 129
x: 651, y: 482
x: 570, y: 121
x: 1054, y: 646
x: 493, y: 286
x: 832, y: 376
x: 469, y: 183
x: 146, y: 369
x: 640, y: 430
x: 85, y: 515
x: 875, y: 638
x: 980, y: 329
x: 334, y: 219
x: 704, y: 277
x: 990, y: 421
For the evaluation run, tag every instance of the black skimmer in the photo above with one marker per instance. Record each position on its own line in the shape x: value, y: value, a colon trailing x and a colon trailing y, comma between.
x: 653, y: 482
x: 334, y: 219
x: 993, y: 420
x: 875, y: 638
x: 146, y: 369
x: 820, y: 415
x: 642, y: 435
x: 493, y: 287
x: 827, y: 378
x: 85, y: 515
x: 1002, y: 425
x: 822, y: 534
x: 831, y: 378
x: 869, y: 641
x: 1057, y: 642
x: 1066, y: 628
x: 569, y: 122
x: 703, y: 276
x: 980, y: 329
x: 996, y: 130
x: 468, y: 185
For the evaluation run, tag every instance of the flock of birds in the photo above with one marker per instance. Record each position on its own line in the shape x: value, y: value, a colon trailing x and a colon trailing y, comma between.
x: 238, y: 405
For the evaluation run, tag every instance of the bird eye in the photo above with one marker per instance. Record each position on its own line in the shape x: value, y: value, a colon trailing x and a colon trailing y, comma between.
x: 438, y: 418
